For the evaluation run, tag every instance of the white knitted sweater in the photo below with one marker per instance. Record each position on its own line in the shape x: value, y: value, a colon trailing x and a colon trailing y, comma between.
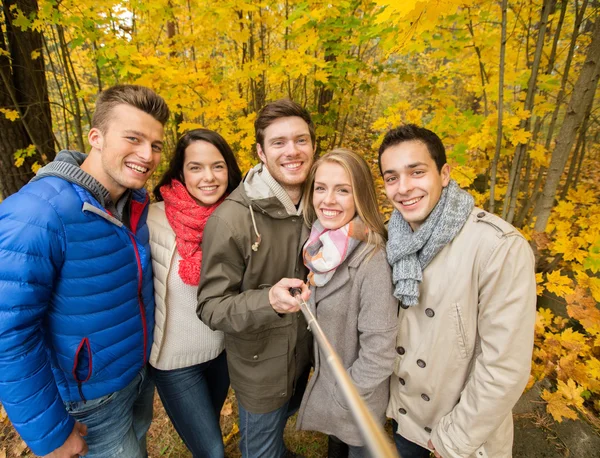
x: 180, y: 338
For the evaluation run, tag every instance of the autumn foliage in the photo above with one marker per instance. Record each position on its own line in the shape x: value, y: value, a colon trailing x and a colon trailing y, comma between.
x: 508, y: 85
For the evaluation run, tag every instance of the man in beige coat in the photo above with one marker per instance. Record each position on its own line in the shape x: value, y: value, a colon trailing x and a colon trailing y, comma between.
x: 465, y: 280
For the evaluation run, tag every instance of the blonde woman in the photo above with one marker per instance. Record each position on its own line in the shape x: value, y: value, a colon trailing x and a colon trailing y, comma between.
x: 351, y: 296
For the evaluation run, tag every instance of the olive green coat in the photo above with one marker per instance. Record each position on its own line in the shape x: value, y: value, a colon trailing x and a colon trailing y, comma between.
x: 266, y: 352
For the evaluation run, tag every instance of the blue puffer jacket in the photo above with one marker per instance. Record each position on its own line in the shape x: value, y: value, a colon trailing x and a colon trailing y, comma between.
x: 76, y: 305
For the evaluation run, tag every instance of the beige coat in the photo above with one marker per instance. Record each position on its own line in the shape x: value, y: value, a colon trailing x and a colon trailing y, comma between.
x: 180, y: 338
x: 358, y: 313
x: 464, y: 352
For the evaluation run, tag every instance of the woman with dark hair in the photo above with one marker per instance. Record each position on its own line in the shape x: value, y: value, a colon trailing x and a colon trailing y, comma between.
x: 190, y: 367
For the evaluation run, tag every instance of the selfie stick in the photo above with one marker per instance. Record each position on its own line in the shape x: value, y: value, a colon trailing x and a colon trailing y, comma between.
x: 375, y: 438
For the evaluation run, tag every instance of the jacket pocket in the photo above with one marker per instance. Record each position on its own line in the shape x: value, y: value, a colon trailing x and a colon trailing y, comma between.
x: 82, y: 364
x: 258, y: 367
x: 461, y: 332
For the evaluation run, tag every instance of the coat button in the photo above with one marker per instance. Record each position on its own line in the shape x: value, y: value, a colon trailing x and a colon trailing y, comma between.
x: 421, y: 363
x: 425, y: 397
x: 255, y: 357
x: 429, y: 312
x: 404, y: 306
x: 402, y: 381
x: 402, y: 411
x: 427, y: 429
x: 400, y: 350
x: 480, y: 214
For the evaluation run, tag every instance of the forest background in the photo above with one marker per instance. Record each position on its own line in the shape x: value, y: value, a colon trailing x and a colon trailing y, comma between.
x: 508, y: 85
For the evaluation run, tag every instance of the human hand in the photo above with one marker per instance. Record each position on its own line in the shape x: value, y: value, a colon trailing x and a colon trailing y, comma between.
x: 432, y: 448
x: 75, y: 446
x: 280, y: 298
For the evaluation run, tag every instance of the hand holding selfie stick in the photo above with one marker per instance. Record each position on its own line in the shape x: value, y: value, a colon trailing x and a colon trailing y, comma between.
x: 374, y: 435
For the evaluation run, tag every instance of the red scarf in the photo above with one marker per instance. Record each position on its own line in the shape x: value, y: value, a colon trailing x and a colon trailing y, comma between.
x: 187, y: 219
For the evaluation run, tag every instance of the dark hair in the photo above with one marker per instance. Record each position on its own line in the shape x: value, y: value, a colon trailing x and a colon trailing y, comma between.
x: 175, y: 170
x: 139, y: 97
x: 282, y: 108
x: 412, y: 132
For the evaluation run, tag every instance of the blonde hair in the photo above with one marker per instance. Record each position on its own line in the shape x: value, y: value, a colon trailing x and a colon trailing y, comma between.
x: 363, y: 191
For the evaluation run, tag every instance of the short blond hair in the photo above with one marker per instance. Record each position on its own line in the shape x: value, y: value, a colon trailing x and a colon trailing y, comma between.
x: 363, y: 190
x: 139, y: 97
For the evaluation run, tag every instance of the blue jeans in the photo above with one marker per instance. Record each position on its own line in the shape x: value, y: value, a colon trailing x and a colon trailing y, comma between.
x: 193, y: 398
x: 262, y: 433
x: 118, y: 422
x: 406, y: 448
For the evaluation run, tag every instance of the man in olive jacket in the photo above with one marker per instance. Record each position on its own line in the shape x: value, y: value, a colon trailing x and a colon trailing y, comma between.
x: 251, y: 258
x: 465, y: 279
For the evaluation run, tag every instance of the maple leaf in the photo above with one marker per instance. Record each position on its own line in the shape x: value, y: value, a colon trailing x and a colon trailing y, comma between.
x: 565, y: 210
x: 558, y: 406
x: 558, y: 284
x: 571, y: 248
x: 592, y: 262
x: 545, y: 316
x: 520, y: 136
x: 581, y: 196
x: 582, y: 307
x: 11, y: 115
x: 574, y: 341
x: 539, y: 280
x: 539, y: 155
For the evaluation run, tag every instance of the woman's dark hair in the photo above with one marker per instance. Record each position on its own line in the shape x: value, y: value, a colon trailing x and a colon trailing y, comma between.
x: 175, y: 170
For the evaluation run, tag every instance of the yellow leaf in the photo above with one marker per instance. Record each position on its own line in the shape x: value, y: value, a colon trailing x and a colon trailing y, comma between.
x: 520, y: 136
x: 35, y: 167
x: 234, y: 430
x: 571, y: 392
x: 570, y: 248
x: 35, y: 54
x: 539, y: 280
x: 11, y: 115
x: 558, y: 284
x: 565, y: 209
x: 557, y: 406
x: 19, y: 161
x: 574, y: 341
x: 595, y: 288
x: 539, y: 155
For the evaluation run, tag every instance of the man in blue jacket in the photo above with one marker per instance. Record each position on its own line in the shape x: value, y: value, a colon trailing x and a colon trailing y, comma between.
x: 76, y: 298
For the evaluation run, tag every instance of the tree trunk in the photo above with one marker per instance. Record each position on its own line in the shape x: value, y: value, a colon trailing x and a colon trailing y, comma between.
x: 582, y: 96
x: 494, y: 168
x: 511, y: 191
x: 23, y: 89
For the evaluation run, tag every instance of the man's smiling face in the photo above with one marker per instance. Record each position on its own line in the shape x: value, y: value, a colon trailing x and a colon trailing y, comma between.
x: 288, y: 151
x: 413, y: 183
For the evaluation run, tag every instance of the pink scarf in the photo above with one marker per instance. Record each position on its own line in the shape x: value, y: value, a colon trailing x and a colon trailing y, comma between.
x: 327, y: 249
x: 187, y: 219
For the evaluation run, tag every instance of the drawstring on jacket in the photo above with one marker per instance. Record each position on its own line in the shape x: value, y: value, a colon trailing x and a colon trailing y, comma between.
x: 256, y: 244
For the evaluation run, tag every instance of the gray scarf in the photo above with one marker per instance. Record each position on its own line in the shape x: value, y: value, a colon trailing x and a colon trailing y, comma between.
x: 410, y: 252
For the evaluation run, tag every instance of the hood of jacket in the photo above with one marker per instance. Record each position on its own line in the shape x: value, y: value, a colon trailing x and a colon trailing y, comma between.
x: 67, y: 165
x: 254, y: 192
